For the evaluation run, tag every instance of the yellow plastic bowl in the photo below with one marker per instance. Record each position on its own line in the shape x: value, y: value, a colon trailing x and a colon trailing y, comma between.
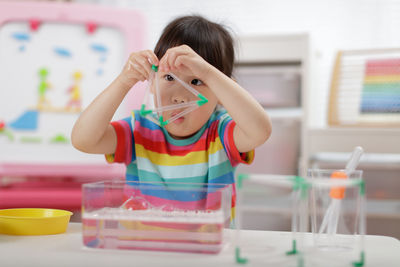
x: 33, y: 221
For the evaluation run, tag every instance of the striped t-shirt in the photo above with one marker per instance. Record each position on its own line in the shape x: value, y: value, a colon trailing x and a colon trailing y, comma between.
x: 152, y: 155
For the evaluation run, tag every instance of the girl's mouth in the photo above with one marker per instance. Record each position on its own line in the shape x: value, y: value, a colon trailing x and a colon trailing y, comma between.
x: 178, y: 120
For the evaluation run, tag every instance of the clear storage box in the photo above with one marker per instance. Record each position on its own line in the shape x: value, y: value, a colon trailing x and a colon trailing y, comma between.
x: 278, y: 201
x: 184, y: 217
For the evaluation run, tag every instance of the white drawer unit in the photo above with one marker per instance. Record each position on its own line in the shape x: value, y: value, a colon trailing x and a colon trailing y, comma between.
x: 272, y: 86
x: 280, y: 154
x: 274, y: 69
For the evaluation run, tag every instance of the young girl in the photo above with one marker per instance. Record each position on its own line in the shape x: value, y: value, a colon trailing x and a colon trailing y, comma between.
x: 203, y: 146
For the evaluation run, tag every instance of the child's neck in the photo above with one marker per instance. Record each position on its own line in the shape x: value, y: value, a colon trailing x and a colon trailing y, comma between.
x: 181, y: 137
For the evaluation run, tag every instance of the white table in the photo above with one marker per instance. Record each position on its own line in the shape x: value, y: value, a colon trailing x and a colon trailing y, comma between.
x: 67, y: 250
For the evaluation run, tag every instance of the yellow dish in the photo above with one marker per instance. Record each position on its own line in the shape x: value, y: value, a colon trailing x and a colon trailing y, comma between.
x: 33, y: 221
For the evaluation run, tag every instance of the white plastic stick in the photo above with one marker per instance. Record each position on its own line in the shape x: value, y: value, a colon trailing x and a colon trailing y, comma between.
x: 176, y: 106
x: 154, y: 120
x: 147, y: 91
x: 354, y: 159
x: 271, y: 179
x: 192, y: 105
x: 191, y: 89
x: 331, y: 218
x: 326, y: 219
x: 157, y: 91
x: 336, y: 217
x: 183, y: 113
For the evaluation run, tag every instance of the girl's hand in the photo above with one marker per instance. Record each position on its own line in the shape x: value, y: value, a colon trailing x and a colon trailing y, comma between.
x: 138, y: 67
x: 183, y: 59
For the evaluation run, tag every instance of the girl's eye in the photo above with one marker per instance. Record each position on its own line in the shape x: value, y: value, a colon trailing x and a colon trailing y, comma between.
x: 196, y: 82
x: 168, y: 78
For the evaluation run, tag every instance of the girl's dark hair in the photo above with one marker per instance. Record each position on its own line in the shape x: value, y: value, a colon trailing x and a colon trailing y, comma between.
x: 208, y: 39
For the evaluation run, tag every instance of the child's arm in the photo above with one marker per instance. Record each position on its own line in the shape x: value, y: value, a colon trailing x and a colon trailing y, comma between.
x: 92, y: 132
x: 253, y: 126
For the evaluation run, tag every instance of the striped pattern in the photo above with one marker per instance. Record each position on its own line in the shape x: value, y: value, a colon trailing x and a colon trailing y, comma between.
x: 152, y: 155
x: 381, y: 88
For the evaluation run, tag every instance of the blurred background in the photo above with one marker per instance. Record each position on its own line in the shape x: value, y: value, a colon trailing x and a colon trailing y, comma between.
x: 327, y: 73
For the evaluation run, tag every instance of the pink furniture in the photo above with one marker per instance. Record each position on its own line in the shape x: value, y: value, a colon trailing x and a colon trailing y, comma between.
x: 132, y: 26
x: 60, y: 195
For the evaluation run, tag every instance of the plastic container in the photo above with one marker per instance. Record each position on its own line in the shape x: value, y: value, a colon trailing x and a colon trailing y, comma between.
x: 182, y: 217
x: 337, y: 203
x: 33, y: 221
x: 278, y: 201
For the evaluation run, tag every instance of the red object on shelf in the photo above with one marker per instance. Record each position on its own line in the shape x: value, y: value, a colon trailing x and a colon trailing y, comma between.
x: 91, y: 27
x: 51, y: 186
x: 34, y: 24
x: 2, y: 125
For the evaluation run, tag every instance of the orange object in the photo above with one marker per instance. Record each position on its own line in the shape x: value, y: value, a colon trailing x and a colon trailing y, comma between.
x: 337, y: 192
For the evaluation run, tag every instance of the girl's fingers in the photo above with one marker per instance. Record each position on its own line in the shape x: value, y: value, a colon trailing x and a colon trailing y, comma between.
x: 189, y: 66
x: 146, y: 66
x: 140, y: 66
x: 172, y: 59
x: 145, y: 61
x: 174, y: 54
x: 182, y: 62
x: 151, y: 57
x: 167, y: 61
x: 138, y: 76
x: 142, y: 62
x: 164, y: 63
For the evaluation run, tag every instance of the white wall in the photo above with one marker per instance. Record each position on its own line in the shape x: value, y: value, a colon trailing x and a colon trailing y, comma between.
x: 333, y: 25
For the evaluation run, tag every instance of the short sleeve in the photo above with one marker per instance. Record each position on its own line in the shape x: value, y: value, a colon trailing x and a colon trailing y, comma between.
x: 225, y: 130
x: 124, y: 150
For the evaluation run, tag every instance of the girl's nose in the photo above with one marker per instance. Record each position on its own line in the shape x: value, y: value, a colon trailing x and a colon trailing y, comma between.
x: 179, y: 99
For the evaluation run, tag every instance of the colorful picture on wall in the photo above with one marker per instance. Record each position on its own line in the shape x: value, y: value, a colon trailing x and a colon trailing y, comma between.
x: 55, y: 58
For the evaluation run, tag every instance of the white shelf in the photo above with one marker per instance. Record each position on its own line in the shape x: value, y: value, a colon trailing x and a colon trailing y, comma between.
x: 388, y: 209
x: 259, y: 68
x: 274, y: 48
x: 373, y: 140
x: 384, y: 209
x: 285, y: 113
x: 367, y: 161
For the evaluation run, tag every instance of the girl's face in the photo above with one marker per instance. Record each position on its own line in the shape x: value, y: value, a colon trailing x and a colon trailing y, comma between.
x: 172, y: 92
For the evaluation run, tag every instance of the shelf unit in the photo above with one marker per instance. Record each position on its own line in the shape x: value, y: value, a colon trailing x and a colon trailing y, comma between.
x: 275, y: 70
x: 358, y: 117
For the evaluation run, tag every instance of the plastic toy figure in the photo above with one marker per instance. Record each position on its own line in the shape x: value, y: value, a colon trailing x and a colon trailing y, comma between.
x: 44, y: 85
x: 75, y: 92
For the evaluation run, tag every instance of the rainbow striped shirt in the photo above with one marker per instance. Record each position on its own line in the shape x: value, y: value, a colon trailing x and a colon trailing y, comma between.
x: 152, y: 155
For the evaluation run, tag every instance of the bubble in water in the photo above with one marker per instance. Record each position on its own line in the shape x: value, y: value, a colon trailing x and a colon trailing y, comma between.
x: 136, y: 203
x: 168, y: 207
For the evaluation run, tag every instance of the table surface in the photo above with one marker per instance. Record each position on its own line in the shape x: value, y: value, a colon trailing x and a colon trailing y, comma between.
x: 260, y: 247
